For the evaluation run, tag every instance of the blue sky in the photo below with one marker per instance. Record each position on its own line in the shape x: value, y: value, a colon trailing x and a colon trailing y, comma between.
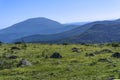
x: 64, y: 11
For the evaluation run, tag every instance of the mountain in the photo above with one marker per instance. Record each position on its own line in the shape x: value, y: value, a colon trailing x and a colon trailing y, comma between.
x: 46, y: 30
x: 100, y: 32
x: 94, y: 32
x: 34, y: 25
x: 42, y: 26
x: 54, y: 37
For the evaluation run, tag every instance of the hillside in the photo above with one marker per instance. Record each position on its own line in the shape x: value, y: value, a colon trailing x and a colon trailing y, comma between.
x: 54, y: 37
x: 33, y: 26
x: 100, y: 32
x: 94, y: 32
x: 42, y: 30
x: 59, y: 62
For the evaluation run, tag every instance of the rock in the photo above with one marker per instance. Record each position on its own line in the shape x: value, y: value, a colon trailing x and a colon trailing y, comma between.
x: 93, y: 63
x: 116, y: 55
x: 15, y: 48
x: 90, y: 54
x: 75, y: 49
x: 106, y: 50
x: 104, y: 60
x: 103, y: 51
x: 12, y: 56
x: 56, y: 55
x: 24, y: 62
x: 112, y: 78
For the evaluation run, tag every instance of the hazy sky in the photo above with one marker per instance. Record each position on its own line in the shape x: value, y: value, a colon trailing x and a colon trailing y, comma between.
x: 64, y: 11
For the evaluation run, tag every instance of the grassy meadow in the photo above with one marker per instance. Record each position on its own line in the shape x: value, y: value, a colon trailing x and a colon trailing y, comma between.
x: 78, y: 62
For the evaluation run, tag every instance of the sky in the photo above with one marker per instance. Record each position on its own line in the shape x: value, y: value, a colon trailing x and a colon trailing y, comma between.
x: 63, y: 11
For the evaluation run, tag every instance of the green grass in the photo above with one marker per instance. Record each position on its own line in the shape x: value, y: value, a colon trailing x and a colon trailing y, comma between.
x: 73, y: 65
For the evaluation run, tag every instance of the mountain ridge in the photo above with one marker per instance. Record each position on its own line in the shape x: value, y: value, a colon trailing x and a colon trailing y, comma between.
x: 30, y: 27
x: 52, y: 31
x: 95, y: 32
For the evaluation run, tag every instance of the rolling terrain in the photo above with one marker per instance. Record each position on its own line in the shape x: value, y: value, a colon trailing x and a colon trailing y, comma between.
x: 94, y: 32
x: 43, y: 30
x: 100, y: 32
x: 59, y: 62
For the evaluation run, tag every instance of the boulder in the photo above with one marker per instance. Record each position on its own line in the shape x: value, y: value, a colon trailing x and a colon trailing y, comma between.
x: 75, y: 49
x: 12, y: 56
x: 15, y: 48
x: 56, y: 55
x: 90, y: 54
x: 103, y: 51
x: 116, y: 55
x: 106, y: 50
x: 24, y: 62
x: 104, y: 60
x: 112, y: 78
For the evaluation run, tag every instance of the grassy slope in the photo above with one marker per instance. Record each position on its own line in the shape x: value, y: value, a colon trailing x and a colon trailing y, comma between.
x: 73, y: 66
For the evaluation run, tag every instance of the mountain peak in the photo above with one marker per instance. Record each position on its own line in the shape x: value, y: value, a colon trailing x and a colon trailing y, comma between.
x: 40, y: 19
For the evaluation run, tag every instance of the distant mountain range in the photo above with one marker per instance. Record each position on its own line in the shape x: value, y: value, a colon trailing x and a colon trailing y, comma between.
x: 100, y: 32
x: 55, y: 37
x: 43, y: 30
x: 42, y: 26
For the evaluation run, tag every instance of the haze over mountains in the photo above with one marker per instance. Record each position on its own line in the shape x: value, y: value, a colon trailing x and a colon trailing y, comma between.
x: 100, y: 32
x: 46, y: 30
x: 33, y: 26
